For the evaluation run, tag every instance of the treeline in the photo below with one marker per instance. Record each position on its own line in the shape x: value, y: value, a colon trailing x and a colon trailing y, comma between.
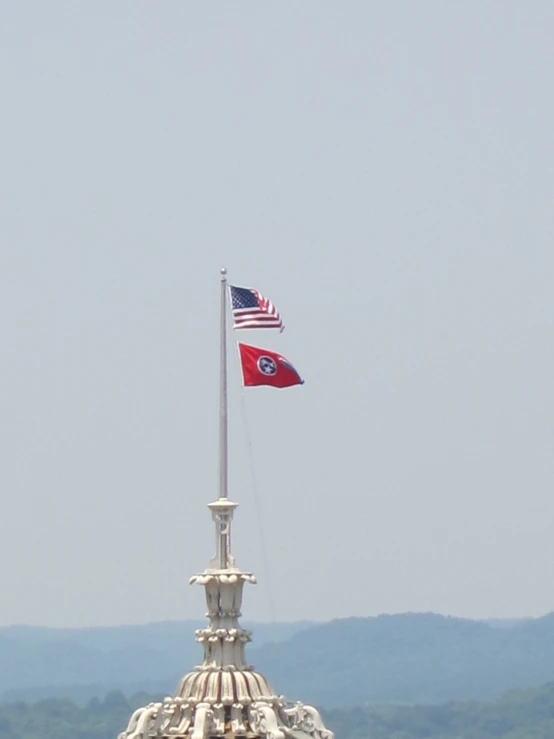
x: 53, y: 718
x: 523, y: 714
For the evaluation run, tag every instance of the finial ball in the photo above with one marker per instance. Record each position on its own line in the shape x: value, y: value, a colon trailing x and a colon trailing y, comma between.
x: 223, y: 271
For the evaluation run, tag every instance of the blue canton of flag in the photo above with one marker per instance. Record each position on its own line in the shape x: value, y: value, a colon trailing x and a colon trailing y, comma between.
x: 252, y: 310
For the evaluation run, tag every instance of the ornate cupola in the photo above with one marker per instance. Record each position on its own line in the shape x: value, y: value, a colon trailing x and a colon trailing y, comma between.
x: 224, y: 696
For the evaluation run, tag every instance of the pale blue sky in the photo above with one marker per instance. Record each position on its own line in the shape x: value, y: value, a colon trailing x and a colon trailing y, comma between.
x: 384, y: 172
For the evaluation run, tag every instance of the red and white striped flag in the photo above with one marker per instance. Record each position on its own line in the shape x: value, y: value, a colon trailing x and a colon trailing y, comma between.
x: 252, y: 310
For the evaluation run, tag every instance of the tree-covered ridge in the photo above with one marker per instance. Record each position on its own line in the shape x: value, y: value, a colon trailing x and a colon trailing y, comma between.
x: 409, y: 658
x: 527, y: 714
x: 63, y: 719
x: 80, y: 663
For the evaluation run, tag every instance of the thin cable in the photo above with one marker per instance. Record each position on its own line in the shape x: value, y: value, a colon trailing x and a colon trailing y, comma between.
x: 259, y: 517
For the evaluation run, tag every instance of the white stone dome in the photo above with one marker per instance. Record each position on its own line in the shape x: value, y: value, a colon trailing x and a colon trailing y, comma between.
x: 226, y: 687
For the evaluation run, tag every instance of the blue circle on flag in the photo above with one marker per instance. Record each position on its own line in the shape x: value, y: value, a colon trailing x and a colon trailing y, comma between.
x: 267, y: 366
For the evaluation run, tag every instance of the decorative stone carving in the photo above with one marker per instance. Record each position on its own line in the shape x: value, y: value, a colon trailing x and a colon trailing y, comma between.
x: 264, y: 721
x: 203, y: 721
x: 224, y: 696
x: 144, y: 722
x: 238, y: 725
x: 299, y: 717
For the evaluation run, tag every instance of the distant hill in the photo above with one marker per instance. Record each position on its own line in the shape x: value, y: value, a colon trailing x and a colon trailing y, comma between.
x: 80, y: 663
x: 410, y: 658
x: 162, y: 635
x: 505, y: 623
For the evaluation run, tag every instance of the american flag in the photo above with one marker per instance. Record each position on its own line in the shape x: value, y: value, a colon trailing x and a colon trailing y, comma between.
x: 252, y: 310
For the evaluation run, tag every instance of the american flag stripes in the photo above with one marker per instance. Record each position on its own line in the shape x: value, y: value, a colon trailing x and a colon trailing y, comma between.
x: 252, y: 310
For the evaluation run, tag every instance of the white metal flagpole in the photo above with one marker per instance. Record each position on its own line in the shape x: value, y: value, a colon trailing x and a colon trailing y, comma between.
x: 223, y: 435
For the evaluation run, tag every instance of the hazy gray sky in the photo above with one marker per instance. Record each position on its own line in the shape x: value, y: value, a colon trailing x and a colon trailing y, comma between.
x: 384, y: 172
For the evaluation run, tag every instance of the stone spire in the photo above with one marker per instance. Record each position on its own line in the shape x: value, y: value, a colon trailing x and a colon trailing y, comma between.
x: 224, y: 696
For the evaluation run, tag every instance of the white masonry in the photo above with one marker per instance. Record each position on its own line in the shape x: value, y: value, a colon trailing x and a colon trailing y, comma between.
x: 224, y: 696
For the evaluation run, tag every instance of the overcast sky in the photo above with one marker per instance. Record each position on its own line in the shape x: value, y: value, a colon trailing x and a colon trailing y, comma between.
x: 384, y: 172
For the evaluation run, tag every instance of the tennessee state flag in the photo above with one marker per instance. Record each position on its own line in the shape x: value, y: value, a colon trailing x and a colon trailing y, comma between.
x: 262, y: 367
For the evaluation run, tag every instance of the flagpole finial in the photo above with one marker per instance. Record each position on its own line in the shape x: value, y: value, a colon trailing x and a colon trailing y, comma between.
x: 223, y: 273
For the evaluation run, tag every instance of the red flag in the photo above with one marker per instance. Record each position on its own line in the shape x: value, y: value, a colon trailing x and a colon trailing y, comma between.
x: 262, y: 367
